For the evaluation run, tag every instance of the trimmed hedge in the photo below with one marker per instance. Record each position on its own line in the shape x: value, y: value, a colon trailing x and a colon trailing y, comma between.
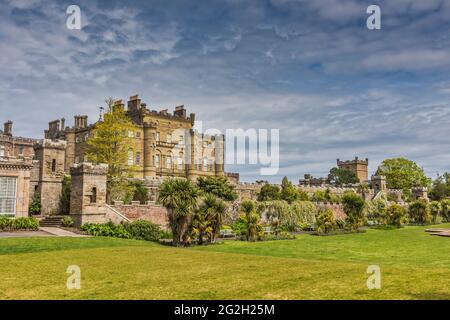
x: 139, y: 230
x: 15, y: 224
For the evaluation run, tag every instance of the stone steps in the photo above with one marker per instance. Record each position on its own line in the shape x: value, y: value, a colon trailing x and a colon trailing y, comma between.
x: 52, y: 221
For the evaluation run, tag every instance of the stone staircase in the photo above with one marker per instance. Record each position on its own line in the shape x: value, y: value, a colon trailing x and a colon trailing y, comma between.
x: 51, y: 221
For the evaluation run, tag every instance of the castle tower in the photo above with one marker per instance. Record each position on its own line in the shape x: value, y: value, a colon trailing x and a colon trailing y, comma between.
x: 359, y: 167
x: 51, y: 156
x: 378, y: 183
x: 88, y: 193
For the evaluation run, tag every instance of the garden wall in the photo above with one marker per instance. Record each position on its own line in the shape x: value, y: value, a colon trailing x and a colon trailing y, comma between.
x: 150, y: 212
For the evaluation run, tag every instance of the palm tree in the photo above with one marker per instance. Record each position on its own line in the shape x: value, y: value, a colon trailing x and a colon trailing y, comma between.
x: 180, y: 197
x: 252, y: 219
x: 209, y: 218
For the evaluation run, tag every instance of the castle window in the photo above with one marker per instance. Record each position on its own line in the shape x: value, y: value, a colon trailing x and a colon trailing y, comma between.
x: 94, y: 195
x: 131, y: 134
x: 157, y: 136
x: 181, y: 140
x: 169, y: 162
x: 138, y: 134
x: 86, y: 137
x: 77, y: 159
x: 138, y: 158
x: 157, y: 161
x: 53, y: 165
x: 77, y: 139
x: 20, y: 151
x: 130, y: 157
x: 2, y: 151
x: 180, y: 163
x: 169, y: 138
x: 205, y: 164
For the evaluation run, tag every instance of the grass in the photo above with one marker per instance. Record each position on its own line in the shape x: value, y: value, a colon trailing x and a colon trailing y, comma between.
x: 414, y: 265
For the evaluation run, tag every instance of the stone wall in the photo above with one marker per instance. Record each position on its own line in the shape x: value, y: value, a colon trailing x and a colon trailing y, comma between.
x: 150, y: 212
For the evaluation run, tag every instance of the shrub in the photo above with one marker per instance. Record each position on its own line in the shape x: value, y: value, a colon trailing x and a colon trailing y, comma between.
x: 35, y: 205
x: 436, y: 211
x: 67, y: 222
x: 144, y: 230
x: 445, y: 209
x: 326, y: 222
x: 303, y: 215
x: 106, y: 230
x: 354, y: 209
x: 419, y: 212
x: 11, y: 224
x: 376, y: 211
x: 396, y: 215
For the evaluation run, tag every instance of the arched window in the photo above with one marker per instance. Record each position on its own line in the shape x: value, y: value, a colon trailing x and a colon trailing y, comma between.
x: 169, y: 162
x: 157, y: 161
x: 205, y: 164
x: 2, y: 151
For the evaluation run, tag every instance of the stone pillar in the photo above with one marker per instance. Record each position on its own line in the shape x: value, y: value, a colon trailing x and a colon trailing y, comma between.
x: 149, y: 166
x: 88, y: 193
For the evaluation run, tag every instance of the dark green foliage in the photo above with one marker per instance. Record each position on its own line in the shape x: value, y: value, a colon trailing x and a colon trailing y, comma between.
x: 144, y: 230
x: 106, y: 230
x: 289, y: 192
x: 326, y: 222
x: 354, y: 209
x: 140, y: 192
x: 35, y: 205
x: 11, y: 224
x: 441, y: 187
x: 217, y: 186
x: 67, y: 222
x: 419, y: 212
x: 396, y: 215
x: 402, y: 174
x: 64, y: 201
x: 341, y: 176
x: 269, y: 192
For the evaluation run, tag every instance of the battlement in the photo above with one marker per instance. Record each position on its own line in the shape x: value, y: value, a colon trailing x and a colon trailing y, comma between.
x: 352, y: 162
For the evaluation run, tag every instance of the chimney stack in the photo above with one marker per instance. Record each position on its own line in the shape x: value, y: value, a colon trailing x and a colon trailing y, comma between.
x: 63, y: 124
x: 7, y: 128
x: 134, y: 104
x: 180, y: 111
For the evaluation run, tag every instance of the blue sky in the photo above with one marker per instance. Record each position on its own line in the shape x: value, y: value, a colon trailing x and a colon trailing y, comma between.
x: 311, y: 69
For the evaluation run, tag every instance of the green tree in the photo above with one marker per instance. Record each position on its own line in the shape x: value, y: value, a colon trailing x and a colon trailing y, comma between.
x: 419, y: 212
x: 278, y: 213
x: 402, y: 174
x: 289, y: 193
x: 354, y: 209
x: 445, y: 209
x: 269, y: 192
x: 110, y: 143
x: 441, y: 187
x: 209, y: 218
x: 180, y: 197
x: 251, y: 218
x: 341, y: 176
x: 140, y: 191
x: 218, y: 186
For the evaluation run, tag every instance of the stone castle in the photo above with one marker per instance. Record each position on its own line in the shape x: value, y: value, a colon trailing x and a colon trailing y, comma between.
x: 165, y: 145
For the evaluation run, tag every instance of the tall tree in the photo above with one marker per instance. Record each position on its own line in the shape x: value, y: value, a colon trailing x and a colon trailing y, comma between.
x: 289, y: 193
x: 269, y: 192
x: 403, y: 174
x: 110, y: 143
x: 218, y: 186
x: 180, y: 198
x: 340, y: 176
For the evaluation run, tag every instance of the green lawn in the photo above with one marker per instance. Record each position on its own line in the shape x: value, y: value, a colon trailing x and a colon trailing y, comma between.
x: 414, y: 265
